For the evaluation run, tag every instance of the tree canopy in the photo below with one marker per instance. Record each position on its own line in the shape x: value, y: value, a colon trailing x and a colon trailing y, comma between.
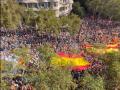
x: 105, y: 8
x: 11, y: 14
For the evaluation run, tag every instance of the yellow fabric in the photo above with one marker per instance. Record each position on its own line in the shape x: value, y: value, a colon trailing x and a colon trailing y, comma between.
x: 64, y: 61
x: 79, y: 62
x: 60, y: 61
x: 98, y: 51
x: 103, y: 51
x: 110, y: 50
x: 112, y: 45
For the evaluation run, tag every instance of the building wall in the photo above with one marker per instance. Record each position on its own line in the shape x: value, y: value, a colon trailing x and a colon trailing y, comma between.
x: 61, y: 7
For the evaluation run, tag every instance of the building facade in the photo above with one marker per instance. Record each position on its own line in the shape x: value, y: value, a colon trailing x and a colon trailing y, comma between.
x: 61, y: 7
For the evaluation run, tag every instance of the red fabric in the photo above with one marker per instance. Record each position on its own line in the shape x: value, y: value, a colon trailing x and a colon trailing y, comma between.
x: 80, y: 68
x: 112, y: 46
x: 62, y: 54
x: 88, y: 46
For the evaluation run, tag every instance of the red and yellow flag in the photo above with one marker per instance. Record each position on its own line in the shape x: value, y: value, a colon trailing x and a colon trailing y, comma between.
x: 88, y: 46
x: 74, y: 61
x: 112, y: 46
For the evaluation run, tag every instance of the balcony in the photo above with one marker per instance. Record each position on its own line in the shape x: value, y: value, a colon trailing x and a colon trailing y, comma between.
x: 27, y: 1
x: 64, y: 13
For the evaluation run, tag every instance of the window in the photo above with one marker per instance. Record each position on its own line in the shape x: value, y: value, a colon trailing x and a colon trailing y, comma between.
x: 41, y: 5
x: 65, y: 1
x: 25, y: 5
x: 48, y: 4
x: 30, y: 5
x: 62, y: 8
x: 45, y: 5
x: 55, y: 4
x: 34, y: 5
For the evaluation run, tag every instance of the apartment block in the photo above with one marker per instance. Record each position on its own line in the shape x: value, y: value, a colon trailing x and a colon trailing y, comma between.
x: 61, y: 7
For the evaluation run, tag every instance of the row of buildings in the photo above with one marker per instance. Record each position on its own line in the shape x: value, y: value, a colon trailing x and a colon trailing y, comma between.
x: 61, y: 7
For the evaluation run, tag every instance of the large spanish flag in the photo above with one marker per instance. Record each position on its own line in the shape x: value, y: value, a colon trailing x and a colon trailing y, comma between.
x: 73, y: 61
x: 110, y: 48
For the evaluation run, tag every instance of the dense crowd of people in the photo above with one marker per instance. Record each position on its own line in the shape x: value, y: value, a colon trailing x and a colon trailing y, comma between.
x: 18, y: 84
x: 93, y: 30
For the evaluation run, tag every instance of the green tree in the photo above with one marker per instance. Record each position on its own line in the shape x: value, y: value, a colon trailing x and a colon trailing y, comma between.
x: 47, y: 22
x: 71, y: 23
x: 30, y: 17
x: 91, y: 83
x: 112, y: 80
x: 105, y: 8
x: 6, y: 67
x: 78, y: 10
x: 46, y: 52
x: 10, y: 14
x: 48, y: 77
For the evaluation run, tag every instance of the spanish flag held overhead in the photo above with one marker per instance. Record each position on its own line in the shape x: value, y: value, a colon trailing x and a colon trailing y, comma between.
x: 112, y: 48
x: 74, y: 61
x: 88, y: 46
